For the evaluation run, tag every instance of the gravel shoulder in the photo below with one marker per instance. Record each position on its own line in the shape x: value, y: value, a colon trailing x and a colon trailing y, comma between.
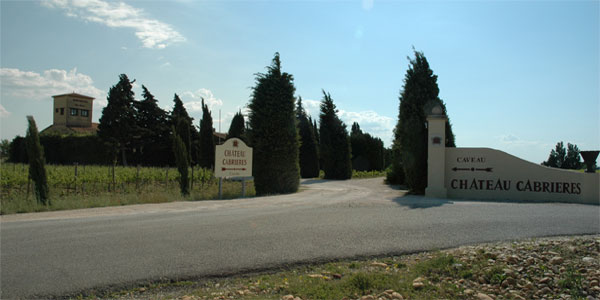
x: 543, y: 268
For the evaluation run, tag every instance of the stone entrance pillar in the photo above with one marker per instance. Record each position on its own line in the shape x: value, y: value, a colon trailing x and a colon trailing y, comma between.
x: 436, y: 153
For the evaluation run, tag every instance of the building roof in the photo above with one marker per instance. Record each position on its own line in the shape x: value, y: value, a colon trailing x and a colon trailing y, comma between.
x: 65, y: 130
x: 74, y: 95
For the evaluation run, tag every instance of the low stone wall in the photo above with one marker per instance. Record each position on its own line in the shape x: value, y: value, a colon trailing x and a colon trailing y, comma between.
x: 483, y: 173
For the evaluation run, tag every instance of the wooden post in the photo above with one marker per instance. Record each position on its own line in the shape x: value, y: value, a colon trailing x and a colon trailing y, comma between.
x: 243, y: 187
x: 76, y: 178
x: 137, y: 178
x: 167, y: 178
x: 220, y: 188
x: 113, y: 178
x: 192, y: 183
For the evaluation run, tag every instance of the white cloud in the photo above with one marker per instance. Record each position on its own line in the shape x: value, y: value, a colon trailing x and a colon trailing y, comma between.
x: 370, y: 121
x: 196, y: 104
x: 3, y: 112
x: 153, y: 33
x: 513, y: 140
x: 36, y: 86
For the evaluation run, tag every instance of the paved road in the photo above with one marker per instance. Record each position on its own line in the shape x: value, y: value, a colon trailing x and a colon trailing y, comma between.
x: 59, y: 253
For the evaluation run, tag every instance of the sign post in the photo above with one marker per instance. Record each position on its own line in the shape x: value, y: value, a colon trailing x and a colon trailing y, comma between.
x: 233, y: 160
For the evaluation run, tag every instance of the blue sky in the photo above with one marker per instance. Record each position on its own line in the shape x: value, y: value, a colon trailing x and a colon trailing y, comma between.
x: 518, y: 76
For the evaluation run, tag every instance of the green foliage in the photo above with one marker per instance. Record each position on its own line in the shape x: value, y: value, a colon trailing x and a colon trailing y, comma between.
x: 395, y: 172
x: 362, y: 282
x: 4, y: 149
x: 183, y: 125
x: 367, y: 151
x: 37, y: 168
x: 237, y: 129
x: 182, y: 163
x: 154, y: 131
x: 207, y: 142
x: 419, y: 94
x: 273, y: 132
x: 117, y: 123
x: 335, y: 144
x: 309, y: 155
x: 564, y: 158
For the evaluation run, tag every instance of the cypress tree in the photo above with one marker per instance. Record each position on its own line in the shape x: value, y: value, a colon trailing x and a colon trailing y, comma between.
x: 207, y: 142
x: 37, y: 168
x: 118, y: 122
x: 237, y: 128
x: 183, y: 125
x: 335, y: 144
x: 420, y: 93
x: 181, y: 160
x: 367, y: 151
x: 273, y: 133
x: 309, y: 157
x: 153, y: 125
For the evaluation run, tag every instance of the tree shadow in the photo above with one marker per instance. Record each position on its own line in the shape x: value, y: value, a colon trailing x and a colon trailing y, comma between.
x: 313, y: 181
x: 413, y: 201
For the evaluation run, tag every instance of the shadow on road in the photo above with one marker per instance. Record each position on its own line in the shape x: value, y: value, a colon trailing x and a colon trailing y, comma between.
x: 313, y: 181
x: 420, y: 202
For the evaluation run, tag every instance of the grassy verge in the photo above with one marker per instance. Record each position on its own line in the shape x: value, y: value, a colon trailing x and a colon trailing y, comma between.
x: 510, y: 270
x: 122, y: 195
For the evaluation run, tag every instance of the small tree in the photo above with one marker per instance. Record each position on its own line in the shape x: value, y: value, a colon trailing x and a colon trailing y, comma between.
x: 207, y: 142
x: 309, y: 157
x: 37, y: 169
x: 181, y: 160
x: 273, y: 133
x: 564, y: 158
x: 335, y: 144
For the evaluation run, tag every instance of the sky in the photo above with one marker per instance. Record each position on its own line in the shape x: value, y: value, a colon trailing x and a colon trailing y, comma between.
x: 518, y: 76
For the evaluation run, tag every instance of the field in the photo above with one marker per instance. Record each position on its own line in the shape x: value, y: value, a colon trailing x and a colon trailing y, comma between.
x: 81, y: 186
x: 84, y: 186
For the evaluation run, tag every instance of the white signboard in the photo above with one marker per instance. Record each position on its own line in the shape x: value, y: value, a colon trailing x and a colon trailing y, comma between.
x: 233, y: 159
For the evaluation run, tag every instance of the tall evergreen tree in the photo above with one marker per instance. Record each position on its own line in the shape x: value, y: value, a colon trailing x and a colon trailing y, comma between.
x: 154, y: 133
x: 367, y: 151
x: 207, y: 142
x: 420, y: 93
x: 117, y: 123
x: 335, y: 144
x: 183, y: 125
x: 182, y: 163
x: 237, y: 128
x: 37, y: 168
x: 309, y: 157
x: 273, y: 133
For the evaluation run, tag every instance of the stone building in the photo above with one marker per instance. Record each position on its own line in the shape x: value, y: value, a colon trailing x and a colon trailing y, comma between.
x: 72, y: 115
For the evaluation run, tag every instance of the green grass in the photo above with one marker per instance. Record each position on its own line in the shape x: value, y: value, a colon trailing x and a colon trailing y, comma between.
x: 351, y: 279
x: 360, y: 174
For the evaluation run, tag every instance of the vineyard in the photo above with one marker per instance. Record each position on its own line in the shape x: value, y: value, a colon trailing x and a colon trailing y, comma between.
x: 79, y: 186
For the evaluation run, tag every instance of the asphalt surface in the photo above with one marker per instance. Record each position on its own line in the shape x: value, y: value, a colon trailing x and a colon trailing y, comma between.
x: 46, y: 255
